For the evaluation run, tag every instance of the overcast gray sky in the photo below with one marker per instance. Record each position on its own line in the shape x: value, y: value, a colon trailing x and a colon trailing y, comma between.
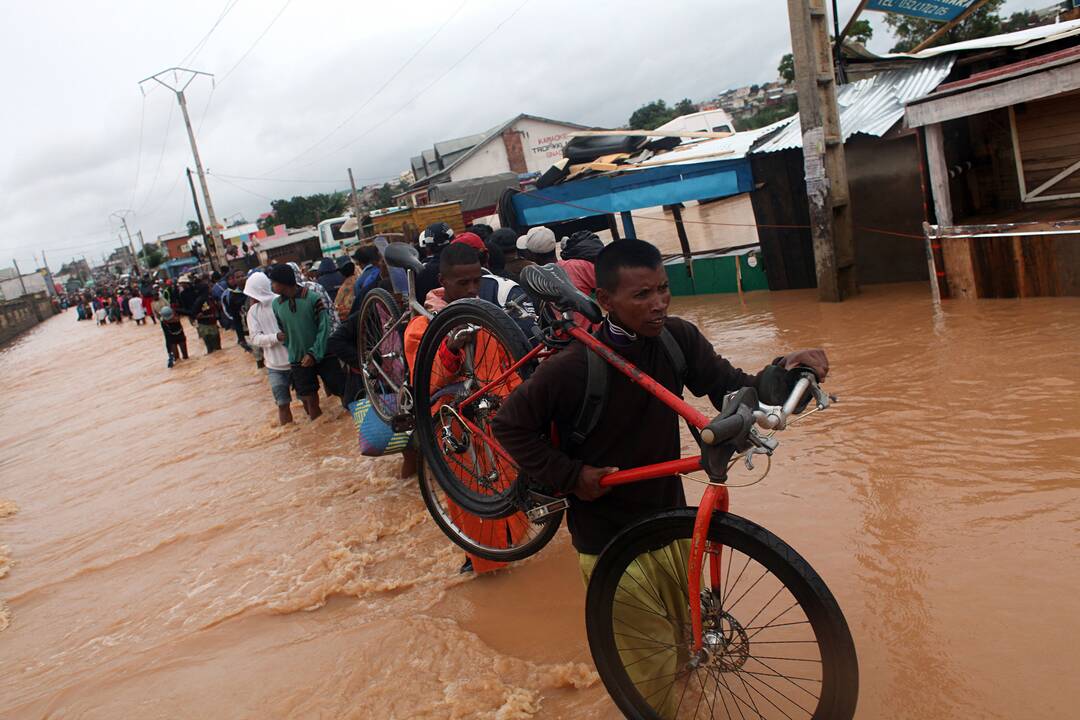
x: 81, y: 142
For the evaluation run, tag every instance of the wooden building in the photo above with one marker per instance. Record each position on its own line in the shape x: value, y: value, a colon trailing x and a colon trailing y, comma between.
x: 1003, y: 155
x: 411, y: 221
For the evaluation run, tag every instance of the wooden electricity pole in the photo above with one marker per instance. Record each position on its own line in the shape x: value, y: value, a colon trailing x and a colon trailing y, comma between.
x: 823, y: 150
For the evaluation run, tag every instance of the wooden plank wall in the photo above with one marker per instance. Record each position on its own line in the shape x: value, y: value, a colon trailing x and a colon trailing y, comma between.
x: 1049, y: 134
x: 1010, y: 266
x: 780, y: 199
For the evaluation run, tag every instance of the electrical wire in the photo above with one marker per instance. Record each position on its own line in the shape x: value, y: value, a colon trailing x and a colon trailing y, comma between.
x: 199, y: 46
x: 375, y: 94
x: 138, y: 159
x: 298, y: 180
x: 427, y: 87
x: 161, y: 158
x: 240, y: 187
x: 257, y: 40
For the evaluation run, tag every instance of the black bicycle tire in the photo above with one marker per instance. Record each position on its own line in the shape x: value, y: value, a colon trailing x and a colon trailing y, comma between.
x: 549, y: 528
x: 494, y: 319
x: 840, y: 674
x: 375, y: 295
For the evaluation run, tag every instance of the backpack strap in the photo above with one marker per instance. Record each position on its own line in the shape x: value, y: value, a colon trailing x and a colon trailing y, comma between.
x: 675, y: 355
x: 592, y: 406
x: 596, y: 388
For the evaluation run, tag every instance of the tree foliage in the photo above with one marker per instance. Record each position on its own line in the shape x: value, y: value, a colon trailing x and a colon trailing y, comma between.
x: 151, y: 256
x: 301, y: 211
x: 1021, y: 20
x: 861, y: 32
x: 910, y: 32
x: 654, y: 114
x: 193, y: 228
x: 768, y: 115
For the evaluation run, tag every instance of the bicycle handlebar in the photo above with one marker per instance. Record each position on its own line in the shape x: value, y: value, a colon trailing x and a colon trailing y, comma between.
x: 769, y: 417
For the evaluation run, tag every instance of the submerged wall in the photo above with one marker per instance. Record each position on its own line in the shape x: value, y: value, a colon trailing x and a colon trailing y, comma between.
x: 18, y: 316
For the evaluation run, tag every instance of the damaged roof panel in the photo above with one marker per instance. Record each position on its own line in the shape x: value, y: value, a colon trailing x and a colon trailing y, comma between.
x: 872, y: 106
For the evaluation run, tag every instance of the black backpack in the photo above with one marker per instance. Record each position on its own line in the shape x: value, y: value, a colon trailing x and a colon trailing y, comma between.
x: 596, y: 388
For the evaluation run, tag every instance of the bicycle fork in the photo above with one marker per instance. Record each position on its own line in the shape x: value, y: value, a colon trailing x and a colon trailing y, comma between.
x: 714, y: 500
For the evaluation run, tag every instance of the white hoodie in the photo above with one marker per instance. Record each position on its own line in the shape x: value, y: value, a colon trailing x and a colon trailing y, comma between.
x: 263, y: 324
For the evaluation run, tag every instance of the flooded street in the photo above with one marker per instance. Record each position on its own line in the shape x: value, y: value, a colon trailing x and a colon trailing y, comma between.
x: 165, y: 551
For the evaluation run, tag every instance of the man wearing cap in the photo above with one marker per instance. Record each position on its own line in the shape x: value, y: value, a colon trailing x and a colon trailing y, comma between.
x: 434, y: 239
x: 540, y: 244
x: 305, y: 326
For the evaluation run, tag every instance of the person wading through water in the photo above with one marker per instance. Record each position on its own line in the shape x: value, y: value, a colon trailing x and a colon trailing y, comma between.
x: 305, y: 323
x: 634, y: 428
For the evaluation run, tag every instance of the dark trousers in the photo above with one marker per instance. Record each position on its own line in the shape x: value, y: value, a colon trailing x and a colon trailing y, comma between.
x: 306, y: 379
x: 177, y: 348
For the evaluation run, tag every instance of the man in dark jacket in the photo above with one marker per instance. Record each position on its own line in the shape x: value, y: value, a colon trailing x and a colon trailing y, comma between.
x: 434, y: 239
x: 329, y: 276
x: 506, y: 240
x: 635, y: 428
x: 233, y: 302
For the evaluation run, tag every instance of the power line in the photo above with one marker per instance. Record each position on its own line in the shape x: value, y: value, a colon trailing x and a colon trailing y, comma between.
x: 240, y: 187
x: 138, y: 159
x: 374, y: 95
x: 257, y: 40
x: 161, y: 158
x: 297, y: 180
x: 427, y: 87
x: 229, y: 5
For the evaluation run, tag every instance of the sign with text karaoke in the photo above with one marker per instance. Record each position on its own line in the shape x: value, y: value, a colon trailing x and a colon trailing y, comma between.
x: 936, y: 10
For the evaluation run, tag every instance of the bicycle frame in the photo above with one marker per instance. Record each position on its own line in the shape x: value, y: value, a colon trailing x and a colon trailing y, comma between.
x: 715, y: 497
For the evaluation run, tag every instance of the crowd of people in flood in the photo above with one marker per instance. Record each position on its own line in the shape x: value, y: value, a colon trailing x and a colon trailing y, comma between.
x: 300, y: 322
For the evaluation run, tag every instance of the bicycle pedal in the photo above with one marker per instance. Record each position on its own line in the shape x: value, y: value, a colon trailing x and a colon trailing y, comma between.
x: 402, y: 423
x: 543, y: 512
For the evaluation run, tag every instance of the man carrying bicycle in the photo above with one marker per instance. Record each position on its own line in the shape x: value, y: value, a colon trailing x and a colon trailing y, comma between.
x: 634, y: 428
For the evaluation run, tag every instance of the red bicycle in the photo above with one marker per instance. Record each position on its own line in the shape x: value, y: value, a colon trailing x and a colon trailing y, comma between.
x: 692, y: 612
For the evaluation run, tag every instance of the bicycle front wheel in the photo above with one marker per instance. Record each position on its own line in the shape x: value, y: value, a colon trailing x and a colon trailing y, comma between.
x: 381, y: 350
x: 506, y: 539
x: 455, y: 436
x: 775, y: 643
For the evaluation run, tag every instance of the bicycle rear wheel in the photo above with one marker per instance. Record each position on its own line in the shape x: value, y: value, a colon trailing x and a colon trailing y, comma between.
x: 500, y: 539
x: 776, y: 644
x: 381, y: 350
x: 456, y: 439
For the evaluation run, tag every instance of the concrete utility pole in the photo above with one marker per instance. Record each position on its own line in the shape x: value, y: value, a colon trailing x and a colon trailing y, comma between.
x: 195, y: 202
x: 823, y: 150
x: 214, y: 240
x: 131, y: 245
x: 355, y: 199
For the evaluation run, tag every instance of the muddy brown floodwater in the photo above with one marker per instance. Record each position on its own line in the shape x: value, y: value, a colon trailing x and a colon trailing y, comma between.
x: 165, y: 551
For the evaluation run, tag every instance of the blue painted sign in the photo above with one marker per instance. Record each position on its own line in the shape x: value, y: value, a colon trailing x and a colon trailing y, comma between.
x: 936, y: 10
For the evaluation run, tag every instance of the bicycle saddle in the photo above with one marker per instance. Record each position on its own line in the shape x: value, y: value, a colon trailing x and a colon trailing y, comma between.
x: 404, y: 256
x: 550, y: 283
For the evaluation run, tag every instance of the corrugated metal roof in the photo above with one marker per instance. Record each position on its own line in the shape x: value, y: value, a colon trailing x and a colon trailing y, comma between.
x: 448, y: 147
x: 732, y: 147
x: 1030, y: 36
x: 871, y: 106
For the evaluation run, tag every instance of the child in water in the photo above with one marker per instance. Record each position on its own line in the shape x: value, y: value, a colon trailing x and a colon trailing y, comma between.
x: 175, y: 340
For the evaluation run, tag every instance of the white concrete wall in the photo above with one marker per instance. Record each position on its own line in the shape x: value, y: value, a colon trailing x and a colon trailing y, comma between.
x: 11, y: 289
x: 542, y: 143
x: 736, y: 211
x: 490, y: 159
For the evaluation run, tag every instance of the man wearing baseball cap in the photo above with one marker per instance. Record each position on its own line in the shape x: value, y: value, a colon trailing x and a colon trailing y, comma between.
x: 539, y: 243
